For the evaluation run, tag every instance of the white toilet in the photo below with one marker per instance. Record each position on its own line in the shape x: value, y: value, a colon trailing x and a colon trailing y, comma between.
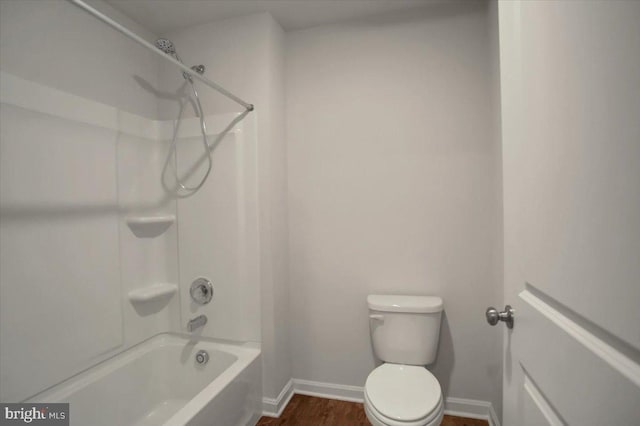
x: 404, y: 332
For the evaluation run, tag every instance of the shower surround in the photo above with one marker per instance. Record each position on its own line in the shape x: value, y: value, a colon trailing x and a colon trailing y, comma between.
x: 97, y: 256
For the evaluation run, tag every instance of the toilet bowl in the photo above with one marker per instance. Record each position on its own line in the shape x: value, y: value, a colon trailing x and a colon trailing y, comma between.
x: 403, y: 395
x: 404, y: 332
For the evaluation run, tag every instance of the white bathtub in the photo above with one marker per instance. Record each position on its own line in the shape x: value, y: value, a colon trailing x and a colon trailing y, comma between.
x: 158, y: 382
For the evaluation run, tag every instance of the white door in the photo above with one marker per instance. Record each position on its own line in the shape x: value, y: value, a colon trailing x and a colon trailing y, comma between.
x: 570, y: 91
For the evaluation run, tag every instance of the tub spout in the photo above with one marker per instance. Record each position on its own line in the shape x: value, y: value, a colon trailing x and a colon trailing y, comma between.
x: 197, y: 322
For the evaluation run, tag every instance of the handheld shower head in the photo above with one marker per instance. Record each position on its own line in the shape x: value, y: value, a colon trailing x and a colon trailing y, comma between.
x: 169, y: 48
x: 166, y: 46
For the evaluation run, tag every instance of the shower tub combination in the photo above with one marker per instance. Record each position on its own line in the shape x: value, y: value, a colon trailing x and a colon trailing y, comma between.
x: 160, y: 382
x: 169, y: 379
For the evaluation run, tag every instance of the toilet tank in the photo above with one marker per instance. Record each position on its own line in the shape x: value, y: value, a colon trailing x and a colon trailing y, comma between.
x: 405, y: 329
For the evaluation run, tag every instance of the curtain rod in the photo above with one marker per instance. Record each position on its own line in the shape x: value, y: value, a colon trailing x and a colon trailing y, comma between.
x: 133, y: 36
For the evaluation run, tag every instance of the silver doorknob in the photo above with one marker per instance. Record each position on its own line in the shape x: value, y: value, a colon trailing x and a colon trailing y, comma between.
x: 493, y: 316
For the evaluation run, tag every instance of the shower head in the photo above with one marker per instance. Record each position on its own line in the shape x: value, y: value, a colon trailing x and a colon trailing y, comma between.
x: 166, y: 46
x: 169, y: 48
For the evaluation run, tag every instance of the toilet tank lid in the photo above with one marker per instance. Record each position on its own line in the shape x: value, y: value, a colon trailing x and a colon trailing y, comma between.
x: 409, y: 304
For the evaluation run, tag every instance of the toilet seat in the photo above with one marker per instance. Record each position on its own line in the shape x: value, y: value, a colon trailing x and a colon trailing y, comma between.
x: 403, y: 395
x: 378, y: 419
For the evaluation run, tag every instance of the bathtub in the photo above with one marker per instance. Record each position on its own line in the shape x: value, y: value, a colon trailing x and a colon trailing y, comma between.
x: 159, y: 382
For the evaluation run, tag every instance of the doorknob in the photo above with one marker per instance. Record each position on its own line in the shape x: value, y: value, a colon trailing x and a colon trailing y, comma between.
x: 493, y: 316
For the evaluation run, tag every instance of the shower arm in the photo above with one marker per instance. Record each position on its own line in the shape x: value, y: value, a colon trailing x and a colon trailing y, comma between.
x: 151, y: 47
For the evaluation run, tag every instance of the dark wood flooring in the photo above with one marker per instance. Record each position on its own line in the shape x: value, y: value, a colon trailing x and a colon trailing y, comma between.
x: 311, y: 411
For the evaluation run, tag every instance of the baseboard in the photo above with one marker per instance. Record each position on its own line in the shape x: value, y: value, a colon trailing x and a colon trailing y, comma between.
x: 329, y: 390
x: 273, y: 407
x: 472, y: 409
x: 453, y: 406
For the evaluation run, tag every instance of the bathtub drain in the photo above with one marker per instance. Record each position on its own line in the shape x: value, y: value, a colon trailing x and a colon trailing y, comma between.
x: 202, y: 357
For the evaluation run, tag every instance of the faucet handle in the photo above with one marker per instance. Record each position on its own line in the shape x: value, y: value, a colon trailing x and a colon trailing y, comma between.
x: 201, y: 291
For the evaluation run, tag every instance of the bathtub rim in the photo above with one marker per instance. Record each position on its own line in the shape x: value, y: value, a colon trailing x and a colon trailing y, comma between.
x: 245, y: 353
x: 250, y: 353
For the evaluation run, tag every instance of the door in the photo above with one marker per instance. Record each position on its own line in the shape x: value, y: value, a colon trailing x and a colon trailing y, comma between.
x: 570, y: 92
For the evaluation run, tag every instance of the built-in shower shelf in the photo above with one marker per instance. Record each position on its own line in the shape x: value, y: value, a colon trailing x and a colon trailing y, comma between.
x: 150, y: 226
x: 152, y: 292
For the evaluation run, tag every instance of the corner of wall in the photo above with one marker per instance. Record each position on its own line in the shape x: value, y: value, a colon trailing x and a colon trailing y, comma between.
x: 274, y: 226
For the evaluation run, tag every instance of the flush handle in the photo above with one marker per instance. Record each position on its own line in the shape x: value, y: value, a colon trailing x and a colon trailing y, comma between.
x: 494, y: 316
x: 377, y: 317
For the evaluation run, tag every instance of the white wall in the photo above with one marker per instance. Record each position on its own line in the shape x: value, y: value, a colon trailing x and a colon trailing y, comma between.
x: 75, y: 163
x: 394, y: 187
x: 274, y: 224
x: 245, y: 55
x: 494, y: 58
x: 62, y: 46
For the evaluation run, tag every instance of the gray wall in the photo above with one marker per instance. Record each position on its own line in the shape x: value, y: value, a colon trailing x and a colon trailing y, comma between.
x: 394, y: 187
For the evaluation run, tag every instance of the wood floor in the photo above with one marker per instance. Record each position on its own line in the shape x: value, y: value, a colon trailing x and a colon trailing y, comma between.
x: 311, y: 411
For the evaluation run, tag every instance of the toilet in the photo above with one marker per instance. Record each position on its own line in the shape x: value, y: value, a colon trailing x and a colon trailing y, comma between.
x: 404, y: 334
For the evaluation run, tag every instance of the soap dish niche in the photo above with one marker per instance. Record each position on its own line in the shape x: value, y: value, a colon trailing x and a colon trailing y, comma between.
x: 152, y: 293
x: 150, y: 226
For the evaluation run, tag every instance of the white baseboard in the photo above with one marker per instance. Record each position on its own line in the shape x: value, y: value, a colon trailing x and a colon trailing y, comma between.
x: 453, y: 406
x: 329, y: 390
x: 472, y: 409
x: 273, y: 407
